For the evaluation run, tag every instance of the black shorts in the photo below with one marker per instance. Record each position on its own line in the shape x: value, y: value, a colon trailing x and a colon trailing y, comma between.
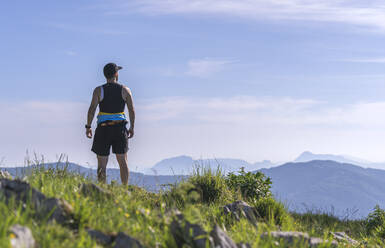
x: 107, y: 136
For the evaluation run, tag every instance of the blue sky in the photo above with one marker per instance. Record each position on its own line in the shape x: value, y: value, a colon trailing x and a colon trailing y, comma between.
x: 251, y: 79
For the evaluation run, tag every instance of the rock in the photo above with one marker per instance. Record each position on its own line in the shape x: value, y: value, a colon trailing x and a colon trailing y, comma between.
x: 122, y: 240
x: 292, y: 237
x: 58, y: 209
x: 243, y: 245
x: 289, y: 237
x: 23, y: 237
x: 5, y: 174
x: 100, y: 237
x: 240, y: 209
x: 92, y: 190
x: 221, y: 239
x: 343, y: 237
x: 315, y: 242
x: 191, y: 234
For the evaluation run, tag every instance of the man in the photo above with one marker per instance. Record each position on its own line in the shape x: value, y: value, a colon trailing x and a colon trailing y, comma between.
x: 111, y: 129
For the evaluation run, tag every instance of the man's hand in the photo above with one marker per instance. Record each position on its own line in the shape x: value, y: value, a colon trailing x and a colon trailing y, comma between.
x: 130, y: 132
x: 89, y: 133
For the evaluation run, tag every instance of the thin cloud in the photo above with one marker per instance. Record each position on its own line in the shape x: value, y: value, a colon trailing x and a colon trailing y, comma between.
x: 86, y: 29
x: 370, y: 15
x: 207, y: 66
x: 71, y: 53
x: 380, y: 60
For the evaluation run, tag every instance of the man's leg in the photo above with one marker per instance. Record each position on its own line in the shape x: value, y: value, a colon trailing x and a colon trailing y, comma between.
x: 102, y: 165
x: 122, y: 160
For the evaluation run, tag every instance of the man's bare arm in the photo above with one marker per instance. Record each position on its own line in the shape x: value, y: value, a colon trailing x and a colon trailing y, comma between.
x: 127, y: 96
x: 93, y: 106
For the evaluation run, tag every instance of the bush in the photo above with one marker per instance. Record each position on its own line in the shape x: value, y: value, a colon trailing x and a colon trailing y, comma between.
x: 269, y: 210
x: 375, y: 222
x: 181, y: 194
x: 253, y: 186
x: 210, y: 184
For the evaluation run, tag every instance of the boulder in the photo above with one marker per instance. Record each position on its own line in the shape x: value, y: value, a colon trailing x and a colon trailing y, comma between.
x: 122, y: 240
x: 5, y: 174
x: 221, y: 239
x: 57, y: 209
x: 100, y: 237
x: 289, y: 237
x: 93, y: 190
x: 243, y: 245
x: 22, y: 237
x: 240, y: 209
x: 292, y: 237
x: 343, y: 237
x: 191, y: 234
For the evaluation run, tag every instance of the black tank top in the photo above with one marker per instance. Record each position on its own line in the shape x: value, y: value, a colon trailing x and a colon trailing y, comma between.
x: 112, y: 101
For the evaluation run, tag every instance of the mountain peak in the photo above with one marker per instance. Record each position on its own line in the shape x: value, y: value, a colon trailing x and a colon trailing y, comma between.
x: 309, y: 156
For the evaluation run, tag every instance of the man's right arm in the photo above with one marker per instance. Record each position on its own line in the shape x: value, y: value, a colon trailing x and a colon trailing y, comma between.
x: 127, y: 95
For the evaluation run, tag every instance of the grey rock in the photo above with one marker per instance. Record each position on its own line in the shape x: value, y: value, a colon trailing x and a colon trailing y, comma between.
x: 23, y: 237
x: 315, y: 242
x: 221, y: 239
x: 343, y: 237
x: 289, y: 237
x: 292, y: 237
x: 92, y: 190
x: 100, y: 237
x: 243, y: 245
x: 240, y: 209
x: 122, y: 240
x: 5, y: 174
x: 57, y: 209
x: 191, y: 234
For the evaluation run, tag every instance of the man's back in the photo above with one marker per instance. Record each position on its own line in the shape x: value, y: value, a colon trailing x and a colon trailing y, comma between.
x: 111, y: 98
x: 111, y: 130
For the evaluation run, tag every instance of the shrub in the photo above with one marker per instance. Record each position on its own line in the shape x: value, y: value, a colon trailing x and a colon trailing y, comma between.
x: 210, y: 184
x: 253, y: 186
x: 375, y: 222
x: 269, y: 210
x: 181, y: 194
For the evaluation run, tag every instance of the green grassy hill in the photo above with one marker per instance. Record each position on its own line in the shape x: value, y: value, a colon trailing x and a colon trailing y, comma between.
x: 184, y: 216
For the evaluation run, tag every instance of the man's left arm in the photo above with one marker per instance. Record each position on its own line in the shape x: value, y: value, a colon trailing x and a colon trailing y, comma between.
x: 91, y: 112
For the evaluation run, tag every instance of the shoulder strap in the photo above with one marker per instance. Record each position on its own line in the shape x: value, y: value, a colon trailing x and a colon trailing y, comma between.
x: 101, y: 93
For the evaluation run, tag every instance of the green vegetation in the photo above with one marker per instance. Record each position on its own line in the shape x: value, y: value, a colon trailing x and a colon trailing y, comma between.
x: 147, y: 216
x: 253, y: 186
x: 375, y: 223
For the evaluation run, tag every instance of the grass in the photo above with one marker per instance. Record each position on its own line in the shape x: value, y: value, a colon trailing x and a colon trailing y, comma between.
x: 146, y: 216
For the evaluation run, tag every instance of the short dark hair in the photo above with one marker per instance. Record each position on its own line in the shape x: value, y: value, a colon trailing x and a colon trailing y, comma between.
x: 110, y: 69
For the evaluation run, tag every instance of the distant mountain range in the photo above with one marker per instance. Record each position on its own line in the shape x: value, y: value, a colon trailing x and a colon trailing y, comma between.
x: 185, y: 165
x: 342, y: 188
x: 149, y: 182
x: 308, y: 156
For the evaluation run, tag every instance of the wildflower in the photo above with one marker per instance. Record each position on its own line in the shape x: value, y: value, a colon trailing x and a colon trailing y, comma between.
x: 12, y: 236
x: 127, y: 215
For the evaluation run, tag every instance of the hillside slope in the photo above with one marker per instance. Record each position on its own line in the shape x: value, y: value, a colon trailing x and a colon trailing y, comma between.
x: 57, y: 208
x: 328, y: 184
